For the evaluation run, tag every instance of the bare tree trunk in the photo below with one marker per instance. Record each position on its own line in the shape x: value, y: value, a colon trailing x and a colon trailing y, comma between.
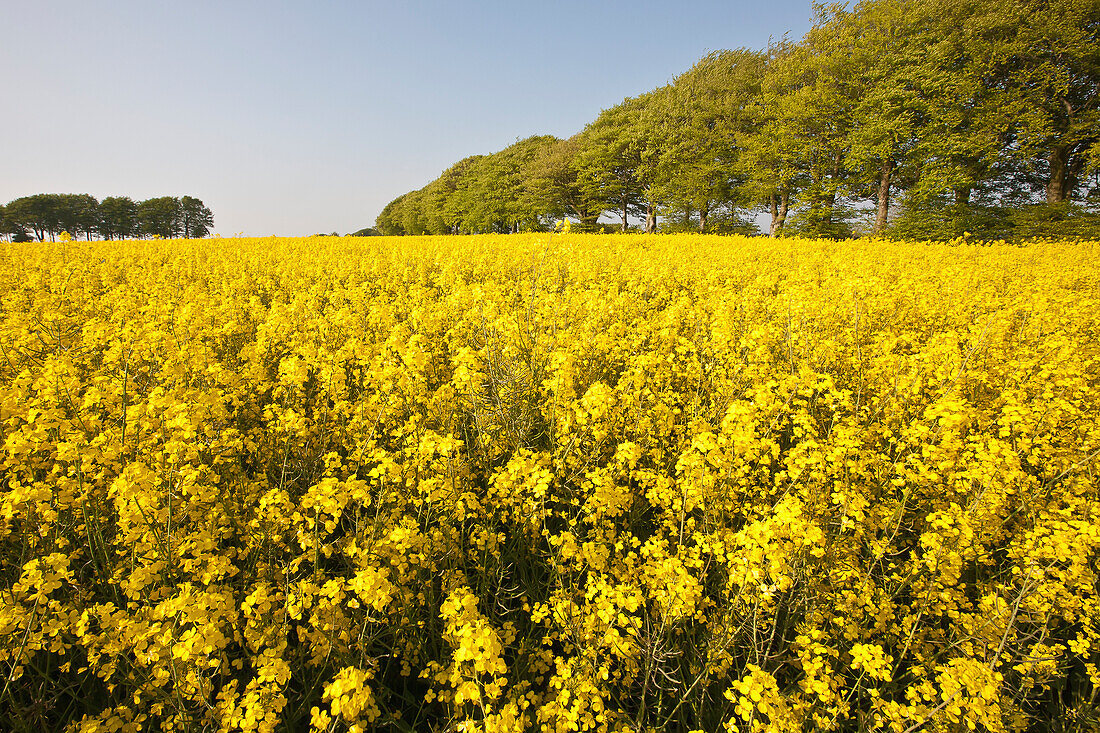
x: 883, y: 197
x: 624, y: 215
x: 704, y: 211
x: 650, y: 219
x: 1057, y: 188
x: 773, y: 200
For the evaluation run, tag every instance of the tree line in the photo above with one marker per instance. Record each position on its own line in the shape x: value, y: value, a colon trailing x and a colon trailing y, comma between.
x: 46, y: 215
x: 921, y: 119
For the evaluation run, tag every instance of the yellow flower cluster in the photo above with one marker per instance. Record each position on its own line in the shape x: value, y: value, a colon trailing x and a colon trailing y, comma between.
x: 549, y: 482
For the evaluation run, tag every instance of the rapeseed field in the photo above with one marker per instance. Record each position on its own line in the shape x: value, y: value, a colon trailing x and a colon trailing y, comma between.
x: 549, y: 482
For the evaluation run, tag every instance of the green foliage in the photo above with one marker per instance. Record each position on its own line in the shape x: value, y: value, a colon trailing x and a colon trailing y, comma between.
x: 116, y: 217
x: 195, y: 218
x: 972, y: 113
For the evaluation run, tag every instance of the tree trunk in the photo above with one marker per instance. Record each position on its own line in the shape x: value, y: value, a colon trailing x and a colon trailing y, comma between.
x: 650, y: 219
x: 624, y: 215
x: 883, y: 197
x: 774, y: 202
x: 784, y: 202
x: 1057, y: 183
x: 703, y: 213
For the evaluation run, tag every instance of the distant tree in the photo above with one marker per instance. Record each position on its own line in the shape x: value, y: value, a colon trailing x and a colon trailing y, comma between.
x: 195, y: 218
x: 389, y: 220
x: 118, y: 217
x: 8, y: 228
x: 37, y: 213
x: 159, y: 217
x: 412, y: 213
x: 76, y: 213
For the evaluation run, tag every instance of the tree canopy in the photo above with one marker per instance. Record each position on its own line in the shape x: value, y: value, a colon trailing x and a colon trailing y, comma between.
x: 46, y: 215
x: 890, y: 116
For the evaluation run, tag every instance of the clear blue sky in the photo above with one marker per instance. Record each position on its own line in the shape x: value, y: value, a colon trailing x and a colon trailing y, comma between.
x: 292, y: 118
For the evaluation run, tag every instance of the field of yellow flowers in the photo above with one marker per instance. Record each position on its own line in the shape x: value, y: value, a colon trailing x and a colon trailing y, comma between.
x: 549, y: 482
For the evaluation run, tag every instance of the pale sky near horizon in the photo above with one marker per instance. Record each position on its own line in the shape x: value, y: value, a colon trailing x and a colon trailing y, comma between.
x: 293, y: 118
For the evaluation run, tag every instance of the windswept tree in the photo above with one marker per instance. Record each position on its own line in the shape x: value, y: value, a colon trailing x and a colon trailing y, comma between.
x: 817, y: 86
x: 610, y: 158
x: 412, y: 213
x: 965, y: 128
x: 960, y: 111
x: 8, y: 228
x: 705, y: 111
x: 885, y: 41
x: 485, y: 195
x: 770, y: 152
x: 525, y: 208
x: 566, y: 187
x: 447, y: 210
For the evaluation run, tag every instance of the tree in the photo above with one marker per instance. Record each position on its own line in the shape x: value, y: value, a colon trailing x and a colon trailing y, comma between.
x: 525, y: 208
x: 966, y: 128
x: 1050, y: 69
x: 564, y: 186
x: 76, y: 213
x: 412, y: 213
x: 705, y: 112
x: 159, y: 217
x: 884, y: 41
x: 817, y: 87
x: 389, y: 220
x: 37, y: 213
x: 771, y: 152
x: 446, y: 210
x: 610, y: 157
x: 195, y: 218
x: 118, y: 217
x: 8, y: 226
